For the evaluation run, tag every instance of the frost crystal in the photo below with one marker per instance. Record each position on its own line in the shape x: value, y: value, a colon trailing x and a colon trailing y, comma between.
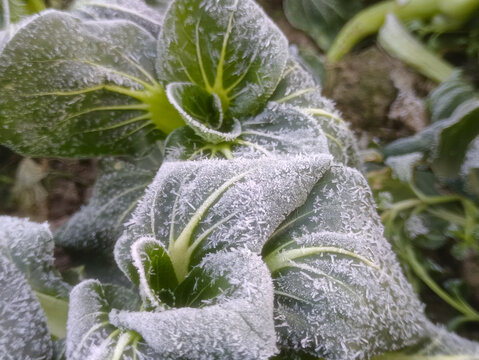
x: 23, y: 329
x: 339, y: 289
x: 215, y: 204
x: 30, y: 246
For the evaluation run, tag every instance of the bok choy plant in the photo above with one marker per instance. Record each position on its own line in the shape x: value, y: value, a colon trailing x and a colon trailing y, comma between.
x: 234, y: 226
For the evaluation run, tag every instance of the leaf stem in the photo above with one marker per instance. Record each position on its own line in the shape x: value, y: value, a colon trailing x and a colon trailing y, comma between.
x: 399, y: 43
x: 460, y: 306
x: 370, y: 20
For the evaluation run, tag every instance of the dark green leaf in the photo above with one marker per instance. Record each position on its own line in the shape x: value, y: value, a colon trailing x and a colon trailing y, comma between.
x: 444, y: 99
x: 321, y: 19
x: 278, y: 130
x: 202, y: 112
x: 194, y: 208
x: 453, y: 141
x: 470, y: 168
x: 340, y: 292
x: 119, y: 186
x: 224, y: 310
x: 133, y: 10
x: 230, y: 48
x: 81, y: 97
x: 90, y: 332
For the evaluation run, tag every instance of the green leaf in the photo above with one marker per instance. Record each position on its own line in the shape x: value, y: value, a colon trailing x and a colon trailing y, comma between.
x: 321, y: 19
x: 401, y: 44
x: 279, y: 130
x: 133, y: 10
x: 90, y: 332
x: 403, y: 166
x: 223, y: 309
x: 444, y: 99
x: 456, y: 134
x: 156, y: 272
x: 23, y: 329
x: 30, y: 246
x: 439, y: 345
x: 93, y: 94
x: 298, y: 88
x: 119, y: 186
x: 340, y: 292
x: 470, y: 168
x: 231, y: 49
x: 11, y: 11
x: 194, y: 208
x: 202, y: 112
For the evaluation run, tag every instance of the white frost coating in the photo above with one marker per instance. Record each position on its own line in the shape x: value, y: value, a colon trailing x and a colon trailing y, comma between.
x: 89, y: 333
x: 119, y: 186
x: 348, y: 298
x: 229, y: 47
x: 134, y: 10
x: 279, y: 130
x: 471, y: 160
x: 238, y: 324
x: 65, y: 94
x: 23, y: 329
x: 297, y: 87
x: 245, y: 214
x: 403, y: 165
x: 443, y: 343
x: 175, y: 93
x: 30, y: 246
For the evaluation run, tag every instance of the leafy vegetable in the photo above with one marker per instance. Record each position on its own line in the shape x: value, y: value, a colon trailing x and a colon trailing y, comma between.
x: 173, y: 254
x: 23, y: 328
x: 119, y: 186
x: 31, y: 288
x: 335, y: 280
x: 276, y: 245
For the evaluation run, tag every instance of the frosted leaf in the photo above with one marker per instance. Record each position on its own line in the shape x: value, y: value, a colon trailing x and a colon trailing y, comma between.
x: 59, y: 349
x: 403, y: 166
x: 4, y: 38
x: 30, y: 246
x: 119, y: 186
x: 228, y: 47
x: 340, y: 292
x: 202, y: 112
x: 280, y: 130
x: 441, y: 342
x: 159, y: 5
x: 453, y: 138
x: 193, y: 208
x: 297, y: 87
x: 76, y: 97
x: 470, y: 168
x: 23, y: 329
x: 225, y: 311
x: 445, y: 142
x: 134, y: 10
x: 90, y: 334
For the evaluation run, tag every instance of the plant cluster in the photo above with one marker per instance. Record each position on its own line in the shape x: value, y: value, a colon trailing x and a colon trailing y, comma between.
x: 234, y: 226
